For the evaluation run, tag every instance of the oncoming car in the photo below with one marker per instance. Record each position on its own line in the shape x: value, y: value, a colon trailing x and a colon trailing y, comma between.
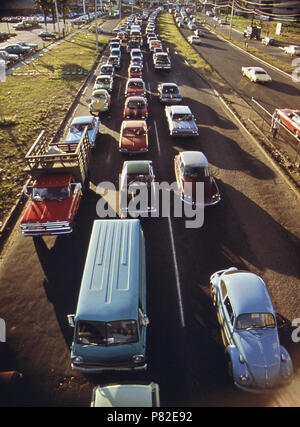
x: 100, y: 101
x: 256, y: 360
x: 78, y: 125
x: 194, y: 39
x: 256, y: 74
x: 135, y: 86
x: 133, y: 137
x: 136, y: 107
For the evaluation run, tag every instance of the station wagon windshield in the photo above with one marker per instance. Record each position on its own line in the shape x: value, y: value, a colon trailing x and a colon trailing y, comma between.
x: 255, y: 321
x: 107, y: 333
x: 183, y: 117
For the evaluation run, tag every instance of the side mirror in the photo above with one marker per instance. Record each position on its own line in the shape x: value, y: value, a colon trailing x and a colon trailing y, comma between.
x: 71, y: 320
x: 28, y: 190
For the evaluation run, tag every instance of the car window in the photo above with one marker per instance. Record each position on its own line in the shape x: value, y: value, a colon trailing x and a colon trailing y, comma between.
x: 255, y: 320
x: 228, y: 307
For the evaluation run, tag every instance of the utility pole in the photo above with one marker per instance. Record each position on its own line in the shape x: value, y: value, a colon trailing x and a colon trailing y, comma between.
x: 230, y: 26
x: 57, y: 18
x: 96, y: 26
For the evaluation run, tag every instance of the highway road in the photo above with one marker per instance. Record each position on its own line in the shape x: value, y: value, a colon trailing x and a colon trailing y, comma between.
x: 256, y: 227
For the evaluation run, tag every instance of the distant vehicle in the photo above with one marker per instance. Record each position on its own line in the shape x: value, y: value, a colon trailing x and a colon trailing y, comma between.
x: 17, y: 49
x: 194, y: 39
x: 45, y: 35
x: 256, y: 74
x: 252, y: 32
x: 133, y: 137
x: 161, y: 61
x: 32, y: 46
x: 268, y: 41
x: 256, y: 360
x: 199, y: 33
x: 107, y: 69
x: 181, y: 121
x: 8, y: 57
x: 290, y: 118
x: 78, y: 125
x: 115, y: 60
x: 135, y: 71
x: 104, y: 81
x: 169, y: 93
x: 292, y: 50
x: 138, y: 176
x: 191, y: 167
x: 136, y: 107
x: 100, y: 101
x: 135, y: 86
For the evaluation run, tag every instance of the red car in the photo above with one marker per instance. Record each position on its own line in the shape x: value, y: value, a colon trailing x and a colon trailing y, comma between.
x: 291, y: 119
x: 133, y: 137
x: 136, y: 107
x: 135, y: 87
x: 134, y: 71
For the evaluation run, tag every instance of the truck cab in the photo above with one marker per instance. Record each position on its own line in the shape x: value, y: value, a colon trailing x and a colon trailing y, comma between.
x: 53, y: 203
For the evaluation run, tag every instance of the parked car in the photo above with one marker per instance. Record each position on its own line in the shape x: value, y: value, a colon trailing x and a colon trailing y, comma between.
x: 256, y: 360
x: 32, y: 46
x: 8, y: 57
x: 135, y: 86
x: 136, y: 107
x: 290, y: 118
x: 191, y: 167
x: 46, y: 35
x: 104, y: 81
x: 100, y: 101
x: 17, y: 49
x: 133, y: 137
x: 78, y: 125
x: 292, y: 50
x: 256, y: 74
x: 137, y: 180
x: 194, y: 39
x: 107, y: 69
x: 169, y: 93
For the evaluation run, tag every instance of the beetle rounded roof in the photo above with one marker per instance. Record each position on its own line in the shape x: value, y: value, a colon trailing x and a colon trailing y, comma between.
x: 247, y: 292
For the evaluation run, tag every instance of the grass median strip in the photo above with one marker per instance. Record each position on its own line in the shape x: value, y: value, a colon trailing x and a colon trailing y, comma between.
x: 29, y: 104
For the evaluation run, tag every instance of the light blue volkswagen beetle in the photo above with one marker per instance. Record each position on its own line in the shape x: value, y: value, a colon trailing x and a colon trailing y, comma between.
x: 256, y: 360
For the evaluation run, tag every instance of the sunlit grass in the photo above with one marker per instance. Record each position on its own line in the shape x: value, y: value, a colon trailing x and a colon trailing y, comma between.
x: 31, y: 103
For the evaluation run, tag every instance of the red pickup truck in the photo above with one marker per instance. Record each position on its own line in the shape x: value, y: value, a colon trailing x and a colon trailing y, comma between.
x: 58, y: 175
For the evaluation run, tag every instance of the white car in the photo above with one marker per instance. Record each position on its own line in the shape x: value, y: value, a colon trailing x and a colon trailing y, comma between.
x: 292, y: 50
x: 256, y: 74
x: 194, y: 39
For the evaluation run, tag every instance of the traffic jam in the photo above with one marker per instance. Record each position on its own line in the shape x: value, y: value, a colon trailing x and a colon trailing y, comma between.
x: 110, y: 326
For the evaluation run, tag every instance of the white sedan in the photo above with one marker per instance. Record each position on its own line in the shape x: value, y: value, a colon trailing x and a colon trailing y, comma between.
x: 292, y: 50
x: 194, y: 39
x: 256, y: 74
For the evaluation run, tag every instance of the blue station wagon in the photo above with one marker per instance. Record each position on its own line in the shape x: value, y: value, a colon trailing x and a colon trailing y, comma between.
x: 256, y: 360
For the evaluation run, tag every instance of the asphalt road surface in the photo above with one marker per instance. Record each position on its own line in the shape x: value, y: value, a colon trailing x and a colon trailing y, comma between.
x: 255, y: 227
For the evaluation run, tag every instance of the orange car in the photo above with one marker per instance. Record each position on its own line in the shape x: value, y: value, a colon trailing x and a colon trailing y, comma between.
x: 291, y: 119
x: 135, y: 87
x: 133, y: 137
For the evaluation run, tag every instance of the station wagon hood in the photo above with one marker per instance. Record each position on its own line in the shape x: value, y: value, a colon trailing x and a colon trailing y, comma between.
x: 210, y: 187
x: 43, y: 212
x: 261, y: 350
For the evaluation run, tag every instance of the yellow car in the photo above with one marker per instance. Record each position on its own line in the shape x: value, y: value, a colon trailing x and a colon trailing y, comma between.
x: 100, y: 101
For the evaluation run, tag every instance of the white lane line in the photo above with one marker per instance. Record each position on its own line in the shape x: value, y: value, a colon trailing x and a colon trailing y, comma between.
x: 147, y: 68
x: 157, y: 138
x: 176, y: 273
x: 149, y: 90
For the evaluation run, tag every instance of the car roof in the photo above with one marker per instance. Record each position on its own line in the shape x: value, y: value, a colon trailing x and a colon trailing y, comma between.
x: 82, y: 119
x: 194, y: 158
x: 118, y: 395
x: 169, y: 84
x: 181, y: 109
x: 137, y: 166
x: 133, y: 123
x: 136, y: 98
x: 247, y: 292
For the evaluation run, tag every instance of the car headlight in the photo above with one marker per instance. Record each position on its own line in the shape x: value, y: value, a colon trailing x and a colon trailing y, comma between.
x: 138, y: 358
x: 77, y: 359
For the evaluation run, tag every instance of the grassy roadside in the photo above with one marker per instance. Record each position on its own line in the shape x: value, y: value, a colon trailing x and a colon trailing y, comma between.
x: 31, y: 103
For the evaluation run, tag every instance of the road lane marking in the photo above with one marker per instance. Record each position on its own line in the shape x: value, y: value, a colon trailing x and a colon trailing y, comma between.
x: 157, y: 138
x: 176, y: 273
